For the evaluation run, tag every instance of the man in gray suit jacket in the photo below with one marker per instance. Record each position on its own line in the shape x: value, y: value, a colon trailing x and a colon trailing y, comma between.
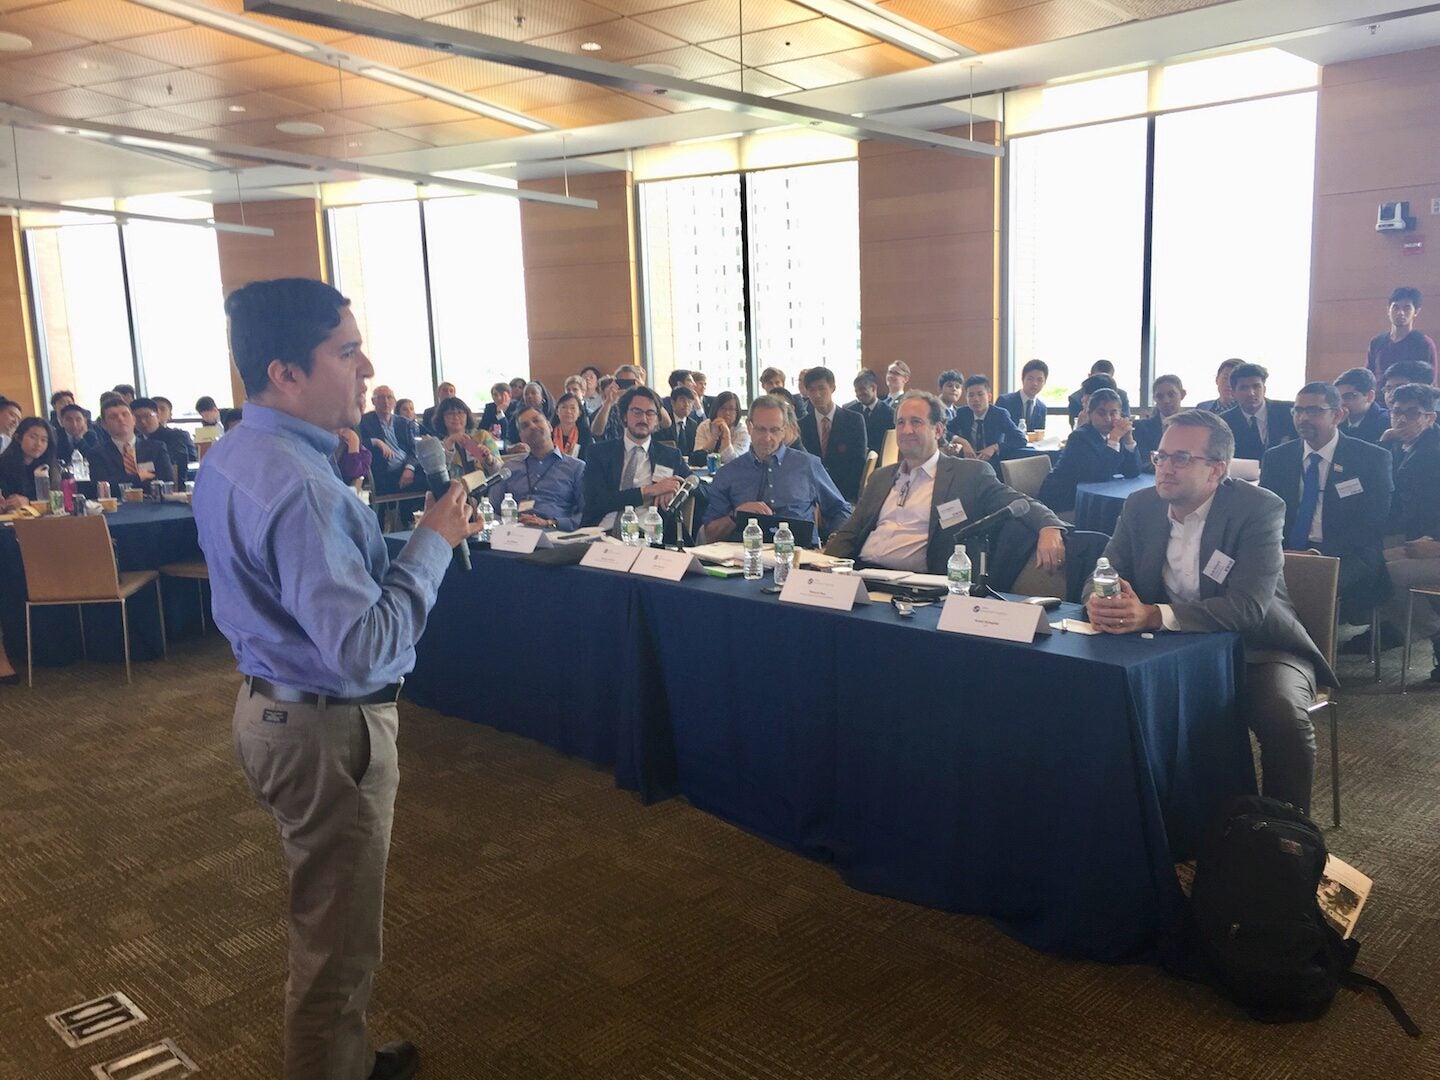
x: 1201, y: 553
x: 909, y: 511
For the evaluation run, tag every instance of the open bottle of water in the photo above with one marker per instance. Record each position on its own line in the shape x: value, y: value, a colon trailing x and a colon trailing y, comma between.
x: 754, y: 539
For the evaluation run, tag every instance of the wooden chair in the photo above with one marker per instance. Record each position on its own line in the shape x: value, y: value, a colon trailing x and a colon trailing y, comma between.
x: 1313, y: 582
x: 192, y: 570
x: 1409, y: 632
x: 1026, y: 474
x: 70, y: 560
x: 890, y: 454
x: 871, y: 460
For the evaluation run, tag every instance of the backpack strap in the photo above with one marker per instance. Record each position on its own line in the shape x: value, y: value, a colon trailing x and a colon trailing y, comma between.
x: 1353, y: 980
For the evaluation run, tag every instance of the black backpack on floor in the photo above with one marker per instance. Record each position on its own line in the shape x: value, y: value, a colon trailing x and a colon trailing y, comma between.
x: 1257, y: 920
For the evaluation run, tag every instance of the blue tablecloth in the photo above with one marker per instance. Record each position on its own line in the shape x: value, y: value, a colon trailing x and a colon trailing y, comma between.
x: 146, y: 536
x: 1050, y: 786
x: 1098, y: 506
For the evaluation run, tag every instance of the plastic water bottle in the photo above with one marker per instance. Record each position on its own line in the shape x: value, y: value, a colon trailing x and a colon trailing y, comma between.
x: 653, y: 526
x: 509, y: 510
x: 1024, y: 430
x: 42, y: 484
x: 754, y: 539
x: 487, y: 515
x: 784, y: 552
x: 79, y: 467
x: 1105, y: 581
x: 630, y: 527
x: 957, y: 570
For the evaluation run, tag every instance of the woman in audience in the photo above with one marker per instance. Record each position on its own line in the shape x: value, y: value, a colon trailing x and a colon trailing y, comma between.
x: 469, y: 450
x: 352, y: 458
x: 571, y: 437
x: 32, y: 448
x: 723, y: 434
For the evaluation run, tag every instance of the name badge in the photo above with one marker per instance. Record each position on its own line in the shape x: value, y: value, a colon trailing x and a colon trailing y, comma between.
x: 663, y: 472
x: 1346, y: 488
x: 951, y: 513
x: 1218, y: 568
x: 526, y: 505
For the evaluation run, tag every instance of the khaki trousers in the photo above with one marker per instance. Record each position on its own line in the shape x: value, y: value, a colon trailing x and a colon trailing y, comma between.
x: 1410, y: 574
x: 328, y: 775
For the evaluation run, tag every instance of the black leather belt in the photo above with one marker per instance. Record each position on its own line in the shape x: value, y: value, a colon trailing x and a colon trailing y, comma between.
x: 288, y: 696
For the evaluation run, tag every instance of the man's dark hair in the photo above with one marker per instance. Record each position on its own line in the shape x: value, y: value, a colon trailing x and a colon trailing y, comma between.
x: 1228, y: 365
x: 5, y: 403
x: 678, y: 376
x: 284, y: 319
x: 1035, y: 365
x: 1096, y: 382
x: 1325, y: 390
x: 164, y: 401
x: 819, y: 374
x: 58, y: 395
x: 1168, y: 379
x: 109, y: 398
x: 1102, y: 367
x: 592, y: 367
x: 205, y: 404
x: 1411, y: 371
x: 123, y: 388
x: 230, y: 417
x: 1357, y: 378
x: 682, y: 393
x: 145, y: 403
x: 1248, y: 371
x: 949, y: 375
x: 865, y: 375
x: 1101, y: 397
x: 630, y: 395
x: 978, y: 380
x: 72, y: 407
x: 1404, y: 293
x: 1414, y: 394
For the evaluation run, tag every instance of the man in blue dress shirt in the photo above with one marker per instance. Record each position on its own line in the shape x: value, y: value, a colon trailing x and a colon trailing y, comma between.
x: 772, y: 478
x: 547, y: 484
x: 323, y: 625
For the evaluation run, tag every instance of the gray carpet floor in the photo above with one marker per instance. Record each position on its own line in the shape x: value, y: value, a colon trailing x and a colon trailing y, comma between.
x: 541, y: 923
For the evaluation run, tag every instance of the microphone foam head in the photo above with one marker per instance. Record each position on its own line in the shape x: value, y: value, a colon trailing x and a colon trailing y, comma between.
x: 430, y: 452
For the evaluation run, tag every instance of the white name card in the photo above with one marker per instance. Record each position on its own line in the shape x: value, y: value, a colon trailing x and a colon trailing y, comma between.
x: 838, y: 592
x: 605, y: 556
x: 1001, y: 619
x: 521, y: 539
x: 666, y: 565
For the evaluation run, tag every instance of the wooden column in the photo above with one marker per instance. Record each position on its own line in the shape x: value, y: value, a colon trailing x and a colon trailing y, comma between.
x: 19, y: 377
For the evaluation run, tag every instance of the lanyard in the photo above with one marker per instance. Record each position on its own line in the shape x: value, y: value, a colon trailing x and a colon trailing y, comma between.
x: 544, y: 472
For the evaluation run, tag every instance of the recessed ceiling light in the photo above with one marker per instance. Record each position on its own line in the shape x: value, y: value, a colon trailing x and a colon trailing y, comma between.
x: 235, y: 108
x: 659, y: 69
x: 590, y: 46
x: 85, y: 65
x: 353, y: 143
x: 299, y: 127
x: 14, y: 42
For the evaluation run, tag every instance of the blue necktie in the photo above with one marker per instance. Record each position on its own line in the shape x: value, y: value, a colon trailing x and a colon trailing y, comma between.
x: 1309, y: 499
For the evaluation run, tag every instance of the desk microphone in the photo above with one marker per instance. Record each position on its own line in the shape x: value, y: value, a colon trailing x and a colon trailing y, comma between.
x: 430, y: 453
x: 687, y: 488
x: 480, y: 487
x: 989, y: 522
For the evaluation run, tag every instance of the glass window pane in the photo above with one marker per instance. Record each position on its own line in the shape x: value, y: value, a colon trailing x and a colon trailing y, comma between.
x: 1225, y: 78
x: 1077, y: 253
x: 379, y: 265
x: 1231, y: 264
x: 477, y: 289
x: 80, y: 293
x: 804, y: 229
x: 694, y: 285
x: 179, y: 307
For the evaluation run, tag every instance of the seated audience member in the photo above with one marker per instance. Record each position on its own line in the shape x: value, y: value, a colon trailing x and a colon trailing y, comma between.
x: 1363, y: 418
x: 571, y: 434
x: 724, y: 434
x: 1337, y: 498
x: 1164, y: 549
x: 534, y: 396
x: 1414, y: 561
x: 1224, y: 394
x: 897, y: 381
x: 1076, y: 406
x: 608, y: 423
x: 909, y: 512
x: 1257, y: 424
x: 58, y: 401
x: 772, y: 381
x: 683, y: 423
x: 230, y: 418
x: 10, y: 414
x: 590, y: 400
x: 495, y: 415
x: 834, y: 435
x: 210, y: 428
x: 547, y: 485
x: 573, y: 384
x: 467, y: 448
x: 635, y: 469
x: 125, y: 390
x: 176, y: 442
x: 405, y: 407
x: 120, y: 457
x: 391, y: 441
x: 981, y: 430
x: 707, y: 402
x: 1402, y: 342
x: 1403, y: 374
x: 879, y: 417
x: 165, y: 410
x: 798, y: 399
x: 1024, y: 405
x: 952, y: 392
x: 1098, y: 451
x: 30, y: 449
x: 517, y: 392
x: 1088, y: 387
x: 352, y: 459
x: 427, y: 419
x: 772, y: 478
x: 679, y: 377
x: 75, y: 433
x: 1168, y: 393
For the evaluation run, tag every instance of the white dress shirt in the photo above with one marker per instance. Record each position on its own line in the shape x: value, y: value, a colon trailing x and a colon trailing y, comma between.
x: 1327, y: 458
x: 901, y: 533
x: 1262, y: 423
x: 1182, y: 561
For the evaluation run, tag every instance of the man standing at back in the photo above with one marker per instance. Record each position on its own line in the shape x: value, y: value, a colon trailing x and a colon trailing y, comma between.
x: 324, y: 627
x: 836, y: 436
x: 1402, y: 341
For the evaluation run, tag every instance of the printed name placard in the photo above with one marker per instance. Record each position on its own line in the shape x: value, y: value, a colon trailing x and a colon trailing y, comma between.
x: 666, y: 565
x: 605, y: 556
x: 838, y: 592
x: 999, y: 619
x: 521, y: 539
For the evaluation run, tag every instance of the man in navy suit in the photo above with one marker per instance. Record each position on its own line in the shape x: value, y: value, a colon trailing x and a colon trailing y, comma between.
x: 879, y: 417
x: 834, y: 435
x: 1363, y: 418
x: 1337, y: 498
x: 1258, y: 424
x: 636, y: 469
x: 391, y: 440
x: 1075, y: 404
x: 1415, y: 513
x: 1168, y: 393
x: 1095, y: 452
x: 981, y: 430
x: 1025, y: 404
x: 119, y: 456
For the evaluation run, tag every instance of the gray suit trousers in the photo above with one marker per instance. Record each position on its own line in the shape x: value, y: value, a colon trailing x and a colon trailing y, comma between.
x: 328, y: 775
x: 1273, y: 705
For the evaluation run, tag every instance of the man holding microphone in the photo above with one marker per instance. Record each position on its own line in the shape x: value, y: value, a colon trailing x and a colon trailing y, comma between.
x: 324, y: 626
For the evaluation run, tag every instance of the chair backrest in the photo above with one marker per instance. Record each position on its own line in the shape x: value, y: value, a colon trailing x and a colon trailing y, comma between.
x: 1036, y: 582
x: 891, y: 453
x: 1026, y: 474
x: 871, y: 460
x: 1313, y: 582
x: 68, y: 559
x: 202, y: 448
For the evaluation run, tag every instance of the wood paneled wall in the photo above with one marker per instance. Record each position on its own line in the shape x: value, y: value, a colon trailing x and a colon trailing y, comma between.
x: 580, y: 278
x: 1378, y: 140
x: 19, y: 380
x: 296, y: 250
x: 929, y: 260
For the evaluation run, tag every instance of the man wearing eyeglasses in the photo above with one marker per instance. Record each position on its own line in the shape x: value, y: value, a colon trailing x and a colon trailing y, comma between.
x: 637, y: 469
x: 1200, y: 553
x: 1364, y: 418
x: 1414, y: 563
x: 1337, y: 498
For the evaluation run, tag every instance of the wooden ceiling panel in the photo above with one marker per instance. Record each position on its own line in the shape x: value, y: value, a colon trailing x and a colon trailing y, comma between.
x: 937, y: 13
x: 784, y: 43
x: 542, y: 17
x: 390, y: 53
x: 88, y: 66
x: 257, y: 107
x: 174, y: 87
x: 464, y: 74
x: 541, y: 92
x: 197, y: 46
x: 273, y: 72
x: 164, y: 121
x: 708, y: 20
x: 610, y: 109
x: 476, y: 129
x: 754, y: 82
x: 1045, y: 21
x: 406, y: 114
x: 43, y: 38
x: 866, y: 62
x: 349, y: 91
x: 691, y: 62
x: 105, y: 20
x: 619, y: 40
x: 76, y: 103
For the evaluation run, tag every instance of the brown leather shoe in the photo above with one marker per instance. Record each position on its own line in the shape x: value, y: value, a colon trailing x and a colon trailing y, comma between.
x: 396, y: 1061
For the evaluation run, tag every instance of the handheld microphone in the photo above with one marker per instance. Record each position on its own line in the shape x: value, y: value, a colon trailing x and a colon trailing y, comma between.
x: 990, y: 522
x: 430, y: 453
